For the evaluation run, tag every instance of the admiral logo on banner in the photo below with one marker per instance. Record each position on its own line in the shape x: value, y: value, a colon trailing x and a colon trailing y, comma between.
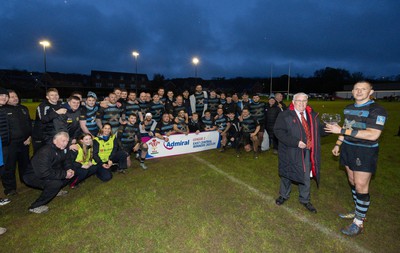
x: 182, y: 144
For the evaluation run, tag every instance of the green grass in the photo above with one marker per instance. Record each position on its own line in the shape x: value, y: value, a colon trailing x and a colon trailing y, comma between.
x: 182, y: 204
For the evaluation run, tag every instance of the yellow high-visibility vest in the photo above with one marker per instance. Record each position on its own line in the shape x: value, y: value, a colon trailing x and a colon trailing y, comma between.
x: 105, y: 148
x: 79, y: 157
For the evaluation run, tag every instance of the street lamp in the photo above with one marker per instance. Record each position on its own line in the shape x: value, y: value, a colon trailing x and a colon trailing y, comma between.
x: 135, y: 54
x: 195, y: 61
x: 45, y: 44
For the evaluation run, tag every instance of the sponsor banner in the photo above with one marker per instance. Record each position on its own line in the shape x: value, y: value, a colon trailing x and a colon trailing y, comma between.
x: 179, y: 144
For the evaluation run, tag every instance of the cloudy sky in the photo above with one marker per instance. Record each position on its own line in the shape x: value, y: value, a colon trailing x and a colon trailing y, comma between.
x: 231, y: 37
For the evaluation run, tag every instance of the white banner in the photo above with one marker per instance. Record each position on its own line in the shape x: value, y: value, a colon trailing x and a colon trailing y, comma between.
x: 179, y: 144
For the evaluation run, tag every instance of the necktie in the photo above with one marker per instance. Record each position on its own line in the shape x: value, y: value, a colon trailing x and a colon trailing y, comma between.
x: 306, y: 129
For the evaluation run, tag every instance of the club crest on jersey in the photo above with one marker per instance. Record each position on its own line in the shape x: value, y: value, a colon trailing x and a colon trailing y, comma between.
x: 380, y: 120
x: 348, y: 124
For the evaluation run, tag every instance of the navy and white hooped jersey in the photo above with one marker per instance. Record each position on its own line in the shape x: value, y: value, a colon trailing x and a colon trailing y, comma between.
x: 157, y: 110
x: 181, y: 124
x: 132, y: 108
x: 88, y: 114
x: 213, y: 104
x: 144, y: 107
x: 177, y: 108
x: 361, y: 117
x: 249, y: 124
x: 221, y: 122
x: 128, y: 135
x: 257, y: 110
x: 200, y: 102
x: 110, y: 115
x: 163, y: 128
x: 208, y: 123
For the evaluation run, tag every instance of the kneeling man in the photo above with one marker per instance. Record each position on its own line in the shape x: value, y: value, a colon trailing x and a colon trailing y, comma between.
x: 50, y: 171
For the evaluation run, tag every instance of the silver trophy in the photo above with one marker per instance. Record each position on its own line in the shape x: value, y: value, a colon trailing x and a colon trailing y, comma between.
x: 330, y: 119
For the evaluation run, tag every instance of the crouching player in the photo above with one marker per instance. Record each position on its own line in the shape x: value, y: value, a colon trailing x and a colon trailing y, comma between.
x: 129, y: 140
x: 223, y: 125
x: 249, y: 130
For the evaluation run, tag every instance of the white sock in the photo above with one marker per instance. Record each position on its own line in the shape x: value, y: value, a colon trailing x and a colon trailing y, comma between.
x: 358, y: 222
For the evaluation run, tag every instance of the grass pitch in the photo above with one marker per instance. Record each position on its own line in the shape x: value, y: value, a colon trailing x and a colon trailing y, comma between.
x: 212, y: 202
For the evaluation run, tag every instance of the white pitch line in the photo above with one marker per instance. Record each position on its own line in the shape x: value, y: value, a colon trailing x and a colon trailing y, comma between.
x: 351, y: 244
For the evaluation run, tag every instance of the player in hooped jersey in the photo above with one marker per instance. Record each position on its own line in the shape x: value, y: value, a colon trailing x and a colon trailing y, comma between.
x: 363, y: 124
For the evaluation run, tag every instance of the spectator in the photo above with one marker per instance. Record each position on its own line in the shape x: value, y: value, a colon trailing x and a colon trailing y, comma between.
x: 20, y: 139
x: 272, y: 112
x: 279, y: 101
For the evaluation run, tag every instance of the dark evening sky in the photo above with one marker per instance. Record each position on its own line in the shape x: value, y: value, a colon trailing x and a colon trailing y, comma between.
x: 230, y: 37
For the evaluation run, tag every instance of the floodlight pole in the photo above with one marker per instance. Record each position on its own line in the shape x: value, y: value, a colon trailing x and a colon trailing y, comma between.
x: 45, y: 44
x: 288, y: 84
x: 136, y: 54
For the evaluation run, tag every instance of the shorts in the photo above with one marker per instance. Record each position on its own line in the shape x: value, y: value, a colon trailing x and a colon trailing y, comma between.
x: 359, y: 158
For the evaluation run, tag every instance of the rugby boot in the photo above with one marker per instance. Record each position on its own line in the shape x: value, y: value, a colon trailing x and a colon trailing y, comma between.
x: 353, y: 230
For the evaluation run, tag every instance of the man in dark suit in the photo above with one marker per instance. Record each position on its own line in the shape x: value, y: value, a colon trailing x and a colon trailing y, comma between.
x: 297, y: 130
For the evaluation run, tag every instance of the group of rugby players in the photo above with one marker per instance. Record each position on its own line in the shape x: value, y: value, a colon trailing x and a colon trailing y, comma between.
x: 101, y: 134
